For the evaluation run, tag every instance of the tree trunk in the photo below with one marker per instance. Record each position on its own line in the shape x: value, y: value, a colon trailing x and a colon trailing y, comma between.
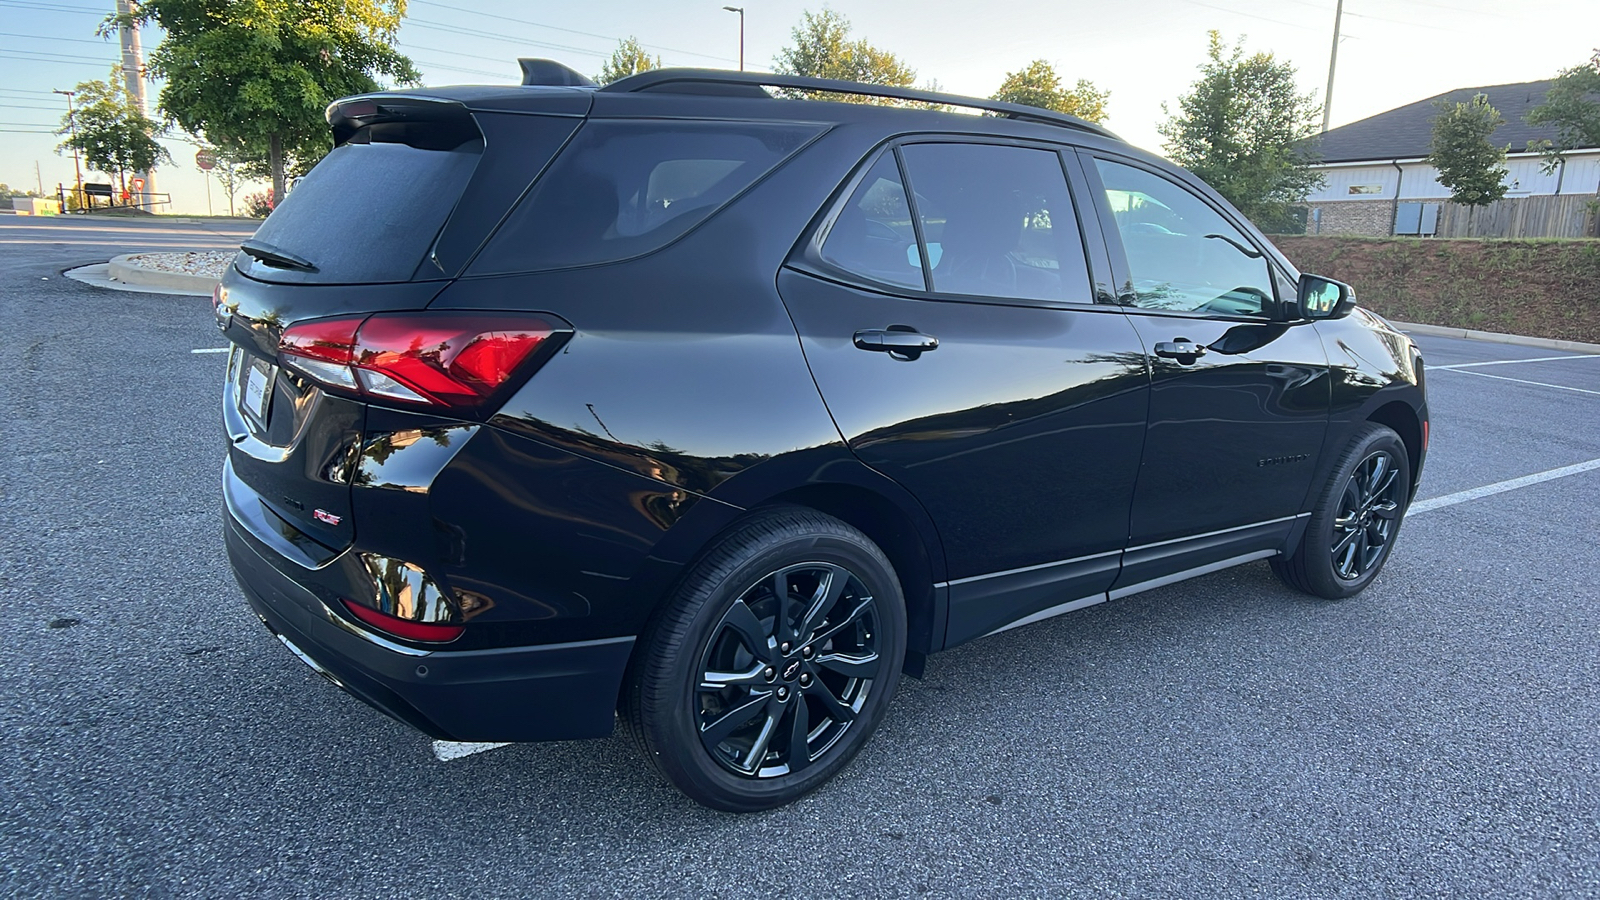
x: 275, y: 162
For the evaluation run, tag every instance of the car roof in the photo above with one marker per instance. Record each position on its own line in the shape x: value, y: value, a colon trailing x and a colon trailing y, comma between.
x: 679, y: 91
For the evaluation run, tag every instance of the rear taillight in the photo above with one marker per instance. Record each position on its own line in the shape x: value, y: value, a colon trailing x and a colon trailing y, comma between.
x: 454, y: 359
x: 404, y: 628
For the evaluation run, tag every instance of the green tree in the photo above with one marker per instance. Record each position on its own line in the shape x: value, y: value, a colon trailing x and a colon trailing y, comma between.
x: 822, y: 48
x: 630, y: 58
x: 1469, y: 164
x: 1573, y: 107
x: 1037, y: 84
x: 1245, y: 129
x: 257, y: 75
x: 110, y: 132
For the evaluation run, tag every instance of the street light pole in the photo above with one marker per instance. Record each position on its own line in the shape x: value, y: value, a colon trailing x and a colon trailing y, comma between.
x: 72, y: 127
x: 740, y: 11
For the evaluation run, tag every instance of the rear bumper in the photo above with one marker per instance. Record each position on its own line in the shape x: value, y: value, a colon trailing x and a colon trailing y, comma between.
x: 539, y: 693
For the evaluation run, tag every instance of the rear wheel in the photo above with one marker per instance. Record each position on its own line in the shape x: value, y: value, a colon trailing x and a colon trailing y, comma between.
x: 1356, y: 520
x: 772, y: 664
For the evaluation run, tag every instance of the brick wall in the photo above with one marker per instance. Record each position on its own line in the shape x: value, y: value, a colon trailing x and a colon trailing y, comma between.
x: 1373, y: 218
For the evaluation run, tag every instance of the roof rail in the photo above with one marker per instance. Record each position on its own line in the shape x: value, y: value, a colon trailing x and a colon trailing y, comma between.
x: 657, y: 79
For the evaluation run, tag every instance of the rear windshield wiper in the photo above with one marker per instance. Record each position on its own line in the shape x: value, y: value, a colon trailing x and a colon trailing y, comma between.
x: 272, y: 256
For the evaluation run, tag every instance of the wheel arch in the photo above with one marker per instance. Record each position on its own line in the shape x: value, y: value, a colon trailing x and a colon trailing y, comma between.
x: 898, y: 536
x: 1406, y: 422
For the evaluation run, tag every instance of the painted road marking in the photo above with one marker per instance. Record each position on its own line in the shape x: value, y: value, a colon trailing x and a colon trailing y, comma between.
x: 1559, y: 387
x: 212, y: 350
x: 448, y: 750
x: 1501, y: 487
x: 1507, y: 362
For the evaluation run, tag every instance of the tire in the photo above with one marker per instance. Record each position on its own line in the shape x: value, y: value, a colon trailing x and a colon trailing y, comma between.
x: 720, y: 681
x: 1356, y: 520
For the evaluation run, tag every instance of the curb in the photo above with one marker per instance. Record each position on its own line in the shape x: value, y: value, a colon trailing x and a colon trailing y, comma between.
x: 120, y: 269
x: 1497, y: 338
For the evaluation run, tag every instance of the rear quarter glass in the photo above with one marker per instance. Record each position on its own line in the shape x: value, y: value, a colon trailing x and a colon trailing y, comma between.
x: 623, y: 188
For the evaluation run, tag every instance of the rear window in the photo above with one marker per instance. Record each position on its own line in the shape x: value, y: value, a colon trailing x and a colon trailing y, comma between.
x: 624, y: 188
x: 369, y: 212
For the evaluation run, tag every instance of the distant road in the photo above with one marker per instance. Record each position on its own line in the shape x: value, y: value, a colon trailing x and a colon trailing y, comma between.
x: 69, y: 241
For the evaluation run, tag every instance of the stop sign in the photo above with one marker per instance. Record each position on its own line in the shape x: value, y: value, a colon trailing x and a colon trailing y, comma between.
x: 205, y: 159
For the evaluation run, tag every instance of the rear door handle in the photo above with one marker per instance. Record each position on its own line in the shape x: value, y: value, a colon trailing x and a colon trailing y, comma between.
x: 899, y: 342
x: 1181, y: 349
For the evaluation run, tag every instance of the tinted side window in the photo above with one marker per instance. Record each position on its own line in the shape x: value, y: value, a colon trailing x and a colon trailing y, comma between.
x: 873, y: 236
x: 623, y: 188
x: 1182, y: 254
x: 998, y: 221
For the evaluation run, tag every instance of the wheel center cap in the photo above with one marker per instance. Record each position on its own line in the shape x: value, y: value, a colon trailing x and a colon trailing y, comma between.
x: 791, y: 670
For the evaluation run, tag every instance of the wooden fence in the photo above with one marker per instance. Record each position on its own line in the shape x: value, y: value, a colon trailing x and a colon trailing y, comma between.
x: 1569, y: 216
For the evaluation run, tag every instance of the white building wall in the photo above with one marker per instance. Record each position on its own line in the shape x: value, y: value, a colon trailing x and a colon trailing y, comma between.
x: 1421, y: 181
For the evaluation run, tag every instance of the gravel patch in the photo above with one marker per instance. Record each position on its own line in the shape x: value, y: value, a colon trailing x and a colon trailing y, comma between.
x: 209, y: 263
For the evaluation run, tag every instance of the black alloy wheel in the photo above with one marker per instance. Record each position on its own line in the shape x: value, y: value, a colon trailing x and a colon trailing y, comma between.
x: 1369, y: 510
x: 772, y: 663
x: 1356, y: 519
x: 788, y: 669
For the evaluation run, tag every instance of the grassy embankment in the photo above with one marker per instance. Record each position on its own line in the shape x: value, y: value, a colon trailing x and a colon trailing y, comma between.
x: 1540, y: 288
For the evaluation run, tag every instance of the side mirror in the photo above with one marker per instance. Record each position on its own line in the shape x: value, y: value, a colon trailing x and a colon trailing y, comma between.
x: 1324, y: 298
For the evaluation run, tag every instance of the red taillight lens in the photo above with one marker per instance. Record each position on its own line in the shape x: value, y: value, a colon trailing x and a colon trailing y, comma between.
x: 322, y: 349
x: 404, y: 628
x: 437, y: 359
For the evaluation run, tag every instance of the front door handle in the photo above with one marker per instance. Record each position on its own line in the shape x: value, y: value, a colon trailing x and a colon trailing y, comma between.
x: 1183, y: 350
x: 901, y: 343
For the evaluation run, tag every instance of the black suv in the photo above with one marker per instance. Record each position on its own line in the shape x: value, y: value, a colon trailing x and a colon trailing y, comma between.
x: 697, y: 401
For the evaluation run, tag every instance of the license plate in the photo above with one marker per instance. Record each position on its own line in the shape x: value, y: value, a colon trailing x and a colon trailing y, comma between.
x: 258, y: 388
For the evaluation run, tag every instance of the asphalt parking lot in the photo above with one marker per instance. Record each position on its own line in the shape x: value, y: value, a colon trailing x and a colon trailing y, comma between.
x: 1438, y: 736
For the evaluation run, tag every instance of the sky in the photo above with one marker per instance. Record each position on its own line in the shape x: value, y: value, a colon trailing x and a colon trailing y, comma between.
x: 1145, y: 52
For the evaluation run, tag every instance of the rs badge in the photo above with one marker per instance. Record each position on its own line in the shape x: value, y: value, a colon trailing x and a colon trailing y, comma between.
x: 322, y: 515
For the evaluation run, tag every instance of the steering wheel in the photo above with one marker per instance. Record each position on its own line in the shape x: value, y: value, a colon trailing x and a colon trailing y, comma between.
x: 1233, y: 303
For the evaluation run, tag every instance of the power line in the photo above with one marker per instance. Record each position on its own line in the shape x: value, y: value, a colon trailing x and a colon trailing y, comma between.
x: 57, y: 55
x: 51, y: 7
x: 20, y: 131
x: 1251, y: 15
x: 24, y: 106
x: 489, y: 35
x: 604, y: 37
x: 439, y: 65
x: 5, y: 54
x: 46, y: 37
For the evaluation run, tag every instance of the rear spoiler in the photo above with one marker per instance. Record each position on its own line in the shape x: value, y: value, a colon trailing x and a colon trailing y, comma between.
x: 351, y: 114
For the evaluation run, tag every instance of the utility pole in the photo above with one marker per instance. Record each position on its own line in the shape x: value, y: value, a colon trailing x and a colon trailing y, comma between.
x: 133, y: 80
x: 38, y: 178
x: 77, y: 170
x: 1333, y: 60
x: 740, y: 11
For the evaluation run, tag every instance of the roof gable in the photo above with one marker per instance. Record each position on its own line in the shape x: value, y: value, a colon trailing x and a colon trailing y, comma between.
x: 1407, y: 132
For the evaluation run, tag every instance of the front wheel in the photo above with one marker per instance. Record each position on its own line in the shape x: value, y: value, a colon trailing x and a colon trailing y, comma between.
x: 1356, y: 520
x: 772, y: 664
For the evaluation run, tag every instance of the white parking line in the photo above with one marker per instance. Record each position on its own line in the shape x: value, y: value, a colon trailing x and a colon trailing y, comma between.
x: 1507, y: 362
x: 1500, y: 487
x: 1559, y: 387
x: 445, y: 751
